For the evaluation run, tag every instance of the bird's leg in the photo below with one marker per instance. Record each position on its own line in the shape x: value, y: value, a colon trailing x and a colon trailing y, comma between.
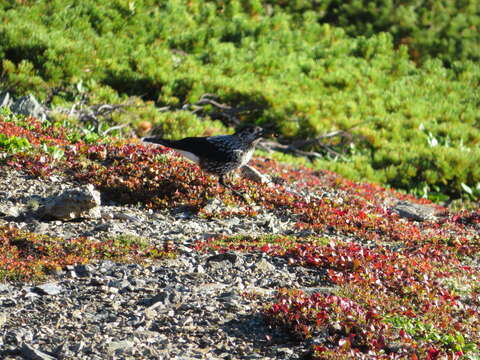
x: 221, y: 181
x: 204, y: 200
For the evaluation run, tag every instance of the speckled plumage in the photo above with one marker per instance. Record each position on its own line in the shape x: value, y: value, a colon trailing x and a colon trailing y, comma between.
x: 218, y: 155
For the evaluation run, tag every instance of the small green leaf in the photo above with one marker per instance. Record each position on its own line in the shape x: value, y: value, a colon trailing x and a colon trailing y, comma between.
x: 467, y: 188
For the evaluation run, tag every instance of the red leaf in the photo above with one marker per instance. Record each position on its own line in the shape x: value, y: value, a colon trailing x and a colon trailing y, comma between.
x: 433, y: 353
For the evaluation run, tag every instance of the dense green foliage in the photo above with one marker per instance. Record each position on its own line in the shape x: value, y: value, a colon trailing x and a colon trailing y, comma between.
x: 419, y: 124
x: 445, y: 29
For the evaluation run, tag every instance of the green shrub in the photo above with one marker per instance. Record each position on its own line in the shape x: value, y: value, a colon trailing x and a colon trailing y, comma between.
x: 445, y: 29
x: 182, y: 124
x: 272, y: 58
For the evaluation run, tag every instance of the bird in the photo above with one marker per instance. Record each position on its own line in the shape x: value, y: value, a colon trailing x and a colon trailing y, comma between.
x: 218, y: 155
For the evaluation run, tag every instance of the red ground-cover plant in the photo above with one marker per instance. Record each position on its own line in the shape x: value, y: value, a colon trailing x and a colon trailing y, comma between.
x: 30, y: 256
x: 345, y: 329
x: 36, y: 132
x: 408, y: 276
x: 380, y: 282
x: 132, y: 173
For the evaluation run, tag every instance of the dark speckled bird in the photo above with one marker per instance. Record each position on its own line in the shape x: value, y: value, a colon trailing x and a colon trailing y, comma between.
x: 218, y: 155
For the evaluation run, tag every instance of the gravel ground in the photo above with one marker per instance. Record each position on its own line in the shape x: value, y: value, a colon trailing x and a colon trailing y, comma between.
x: 197, y: 306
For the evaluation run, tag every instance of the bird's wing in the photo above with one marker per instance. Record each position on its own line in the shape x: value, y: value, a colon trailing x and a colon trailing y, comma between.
x: 201, y: 147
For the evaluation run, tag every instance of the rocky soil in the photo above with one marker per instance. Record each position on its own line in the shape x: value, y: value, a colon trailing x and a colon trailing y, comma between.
x: 196, y: 306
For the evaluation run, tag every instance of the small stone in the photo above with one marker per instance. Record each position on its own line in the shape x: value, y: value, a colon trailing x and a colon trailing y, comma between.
x: 8, y: 302
x: 41, y: 227
x: 29, y: 352
x: 83, y: 270
x: 284, y: 351
x: 264, y: 266
x: 9, y: 209
x: 47, y: 289
x: 120, y: 346
x: 3, y: 318
x: 214, y: 205
x: 221, y: 260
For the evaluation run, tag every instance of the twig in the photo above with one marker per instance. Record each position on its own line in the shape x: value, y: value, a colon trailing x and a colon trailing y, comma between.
x: 118, y: 127
x: 223, y: 111
x: 295, y: 147
x: 287, y: 149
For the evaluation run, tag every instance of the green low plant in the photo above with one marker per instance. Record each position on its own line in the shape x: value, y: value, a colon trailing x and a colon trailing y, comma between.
x: 13, y: 144
x: 426, y: 332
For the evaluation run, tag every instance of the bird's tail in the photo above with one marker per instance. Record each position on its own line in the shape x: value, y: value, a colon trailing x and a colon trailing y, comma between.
x: 157, y: 140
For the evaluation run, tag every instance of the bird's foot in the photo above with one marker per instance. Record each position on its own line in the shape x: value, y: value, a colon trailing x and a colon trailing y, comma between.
x: 242, y: 196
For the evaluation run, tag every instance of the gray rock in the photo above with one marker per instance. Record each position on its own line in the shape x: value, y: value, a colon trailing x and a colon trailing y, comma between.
x: 48, y: 289
x: 73, y: 203
x: 284, y: 351
x: 29, y: 352
x: 29, y: 106
x: 8, y: 302
x: 5, y: 99
x: 416, y: 212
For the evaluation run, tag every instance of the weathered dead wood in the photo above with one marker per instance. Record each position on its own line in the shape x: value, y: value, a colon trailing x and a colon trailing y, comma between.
x: 295, y: 147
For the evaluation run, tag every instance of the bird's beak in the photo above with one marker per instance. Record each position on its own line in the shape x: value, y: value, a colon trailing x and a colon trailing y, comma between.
x: 269, y: 133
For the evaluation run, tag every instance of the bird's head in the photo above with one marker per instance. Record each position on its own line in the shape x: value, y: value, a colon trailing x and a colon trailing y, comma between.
x: 251, y: 133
